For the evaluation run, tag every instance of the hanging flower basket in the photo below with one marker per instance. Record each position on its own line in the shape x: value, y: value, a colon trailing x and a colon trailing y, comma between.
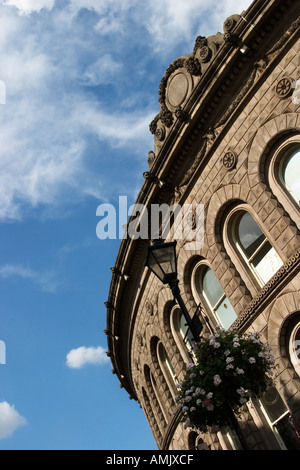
x: 230, y: 369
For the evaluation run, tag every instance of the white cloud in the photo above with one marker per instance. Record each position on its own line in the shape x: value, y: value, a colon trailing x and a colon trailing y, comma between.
x: 48, y: 281
x: 102, y: 71
x: 26, y: 7
x: 10, y: 420
x: 80, y: 357
x: 51, y: 112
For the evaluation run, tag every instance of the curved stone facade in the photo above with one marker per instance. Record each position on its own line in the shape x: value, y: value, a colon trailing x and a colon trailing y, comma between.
x: 229, y: 122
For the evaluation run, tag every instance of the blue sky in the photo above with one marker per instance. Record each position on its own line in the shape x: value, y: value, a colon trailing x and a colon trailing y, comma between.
x: 81, y: 82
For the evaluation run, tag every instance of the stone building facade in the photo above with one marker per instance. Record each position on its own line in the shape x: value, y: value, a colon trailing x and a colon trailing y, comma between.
x: 227, y: 137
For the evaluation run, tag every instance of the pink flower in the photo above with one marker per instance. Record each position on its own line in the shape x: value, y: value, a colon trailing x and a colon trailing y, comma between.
x: 217, y: 380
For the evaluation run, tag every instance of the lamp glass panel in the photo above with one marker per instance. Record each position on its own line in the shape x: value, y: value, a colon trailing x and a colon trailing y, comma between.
x: 165, y: 257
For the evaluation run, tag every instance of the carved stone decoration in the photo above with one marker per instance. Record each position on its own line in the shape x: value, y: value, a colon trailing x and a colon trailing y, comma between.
x: 230, y: 22
x: 191, y: 220
x: 229, y: 160
x: 284, y: 87
x: 139, y: 339
x: 178, y: 87
x: 166, y: 117
x: 149, y: 308
x: 205, y: 54
x: 151, y: 158
x: 181, y: 114
x: 231, y: 39
x: 160, y: 133
x: 193, y: 66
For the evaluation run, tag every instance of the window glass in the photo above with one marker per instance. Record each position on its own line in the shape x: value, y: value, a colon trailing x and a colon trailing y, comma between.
x: 294, y: 348
x: 291, y: 175
x: 215, y: 297
x: 249, y: 233
x: 211, y: 287
x: 258, y: 251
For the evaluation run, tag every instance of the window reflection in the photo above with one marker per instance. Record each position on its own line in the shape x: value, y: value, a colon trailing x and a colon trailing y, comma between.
x: 291, y: 175
x: 256, y: 248
x: 216, y: 299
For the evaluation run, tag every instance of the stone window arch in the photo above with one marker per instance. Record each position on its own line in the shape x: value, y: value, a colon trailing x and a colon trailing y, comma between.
x: 181, y: 334
x: 151, y: 417
x: 167, y: 368
x: 284, y: 174
x: 163, y: 376
x: 207, y: 290
x: 154, y: 404
x: 250, y: 247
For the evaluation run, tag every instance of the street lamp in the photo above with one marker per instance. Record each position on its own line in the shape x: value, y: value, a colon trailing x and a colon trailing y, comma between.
x: 161, y: 260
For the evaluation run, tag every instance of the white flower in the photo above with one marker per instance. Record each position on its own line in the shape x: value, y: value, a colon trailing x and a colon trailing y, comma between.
x: 241, y: 391
x: 199, y: 402
x: 252, y: 360
x: 229, y: 359
x: 243, y: 400
x: 193, y: 408
x: 229, y: 366
x: 199, y: 391
x: 236, y: 344
x: 227, y: 352
x: 209, y: 395
x: 217, y: 380
x: 190, y: 366
x: 185, y: 409
x: 239, y: 371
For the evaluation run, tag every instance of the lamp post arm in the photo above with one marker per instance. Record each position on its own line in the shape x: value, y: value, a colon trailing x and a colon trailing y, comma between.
x: 177, y: 296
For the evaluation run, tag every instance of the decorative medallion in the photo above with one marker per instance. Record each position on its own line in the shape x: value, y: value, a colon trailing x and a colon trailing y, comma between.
x: 284, y: 87
x: 205, y: 54
x: 229, y: 160
x: 191, y: 220
x: 160, y: 134
x: 177, y: 89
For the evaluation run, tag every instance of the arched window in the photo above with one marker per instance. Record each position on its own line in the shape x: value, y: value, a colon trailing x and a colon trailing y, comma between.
x: 280, y: 419
x: 167, y: 368
x: 290, y: 174
x: 253, y: 247
x: 208, y: 291
x: 292, y: 342
x: 284, y: 175
x: 182, y: 335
